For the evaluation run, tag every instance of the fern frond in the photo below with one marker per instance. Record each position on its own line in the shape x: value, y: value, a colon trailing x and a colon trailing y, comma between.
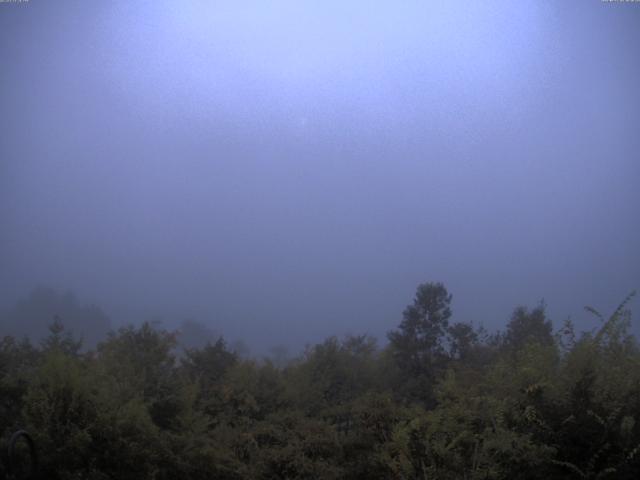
x: 570, y: 466
x: 594, y: 312
x: 593, y: 414
x: 606, y: 471
x: 632, y: 454
x: 592, y: 461
x: 614, y: 317
x: 624, y: 303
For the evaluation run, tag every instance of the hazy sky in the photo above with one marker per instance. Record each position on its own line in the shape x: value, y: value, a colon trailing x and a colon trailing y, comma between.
x: 286, y: 170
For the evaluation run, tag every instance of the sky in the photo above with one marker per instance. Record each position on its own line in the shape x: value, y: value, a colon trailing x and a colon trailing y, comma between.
x: 284, y: 171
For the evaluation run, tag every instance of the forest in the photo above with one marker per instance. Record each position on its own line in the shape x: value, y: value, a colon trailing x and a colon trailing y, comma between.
x: 439, y: 400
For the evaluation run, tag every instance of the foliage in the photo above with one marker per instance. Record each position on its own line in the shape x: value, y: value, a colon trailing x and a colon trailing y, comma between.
x: 440, y: 401
x: 418, y: 344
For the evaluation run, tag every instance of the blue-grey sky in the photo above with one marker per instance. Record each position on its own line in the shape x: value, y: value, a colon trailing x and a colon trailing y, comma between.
x: 288, y: 170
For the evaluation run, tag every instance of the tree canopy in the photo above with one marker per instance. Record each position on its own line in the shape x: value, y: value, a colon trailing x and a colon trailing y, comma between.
x: 443, y: 400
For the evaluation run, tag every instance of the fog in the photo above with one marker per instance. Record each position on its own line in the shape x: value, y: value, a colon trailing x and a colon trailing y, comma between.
x: 284, y: 171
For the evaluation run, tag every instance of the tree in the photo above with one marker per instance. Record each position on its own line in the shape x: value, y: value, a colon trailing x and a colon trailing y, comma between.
x: 418, y: 344
x: 32, y: 315
x: 462, y: 339
x: 208, y: 364
x: 61, y: 341
x: 141, y: 362
x: 528, y: 327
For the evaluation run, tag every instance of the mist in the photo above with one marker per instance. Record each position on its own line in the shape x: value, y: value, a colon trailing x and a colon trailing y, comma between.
x: 286, y: 171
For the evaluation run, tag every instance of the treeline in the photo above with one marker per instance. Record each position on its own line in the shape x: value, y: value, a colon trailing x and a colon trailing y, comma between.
x: 441, y: 400
x: 32, y: 315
